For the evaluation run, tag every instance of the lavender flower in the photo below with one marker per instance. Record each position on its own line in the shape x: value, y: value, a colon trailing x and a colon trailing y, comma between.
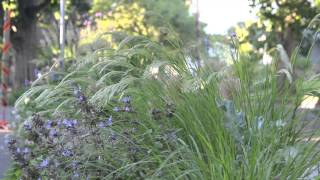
x: 27, y: 126
x: 44, y: 163
x: 79, y: 95
x: 234, y: 35
x: 53, y: 133
x: 49, y: 124
x: 74, y: 164
x: 127, y: 109
x: 82, y: 98
x: 26, y: 150
x: 59, y: 122
x: 67, y: 153
x: 109, y: 121
x: 126, y: 99
x: 69, y: 123
x: 36, y: 72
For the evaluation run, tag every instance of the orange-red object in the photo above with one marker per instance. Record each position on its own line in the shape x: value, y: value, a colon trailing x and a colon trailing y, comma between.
x: 3, y: 124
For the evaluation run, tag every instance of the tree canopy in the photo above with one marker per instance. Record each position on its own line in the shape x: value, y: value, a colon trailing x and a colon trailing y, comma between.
x: 284, y: 20
x: 36, y: 22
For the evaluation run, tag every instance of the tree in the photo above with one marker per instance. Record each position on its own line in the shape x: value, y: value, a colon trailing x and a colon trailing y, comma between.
x: 26, y: 18
x: 31, y: 18
x: 154, y: 15
x: 287, y: 18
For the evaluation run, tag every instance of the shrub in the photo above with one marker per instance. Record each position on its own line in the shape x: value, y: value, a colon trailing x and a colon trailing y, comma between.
x: 139, y: 112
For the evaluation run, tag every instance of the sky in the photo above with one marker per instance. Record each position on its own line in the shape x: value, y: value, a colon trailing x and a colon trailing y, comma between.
x: 220, y: 15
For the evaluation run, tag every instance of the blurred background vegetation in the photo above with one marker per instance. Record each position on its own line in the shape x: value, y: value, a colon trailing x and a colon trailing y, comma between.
x: 35, y: 29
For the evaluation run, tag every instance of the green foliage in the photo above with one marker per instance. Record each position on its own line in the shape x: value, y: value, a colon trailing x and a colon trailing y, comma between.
x: 155, y: 14
x: 177, y: 16
x: 281, y: 22
x: 295, y: 14
x: 15, y: 94
x: 23, y: 12
x: 13, y: 173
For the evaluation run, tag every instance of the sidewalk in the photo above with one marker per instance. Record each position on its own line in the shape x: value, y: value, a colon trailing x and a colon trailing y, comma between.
x: 4, y: 154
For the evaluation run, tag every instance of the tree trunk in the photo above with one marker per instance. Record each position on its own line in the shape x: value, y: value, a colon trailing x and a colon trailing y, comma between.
x: 25, y: 44
x: 288, y: 40
x: 25, y: 41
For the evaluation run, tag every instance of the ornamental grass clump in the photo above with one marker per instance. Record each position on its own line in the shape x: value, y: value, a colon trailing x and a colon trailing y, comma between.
x: 140, y: 112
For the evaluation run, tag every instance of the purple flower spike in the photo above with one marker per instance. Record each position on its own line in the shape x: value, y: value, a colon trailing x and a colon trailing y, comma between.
x: 44, y: 163
x: 74, y: 164
x: 234, y: 35
x: 49, y: 124
x: 27, y: 126
x: 36, y: 71
x: 26, y: 150
x: 109, y: 122
x: 126, y: 99
x: 59, y: 122
x: 127, y: 109
x: 67, y: 153
x: 69, y: 123
x: 53, y: 133
x: 79, y: 95
x: 82, y: 98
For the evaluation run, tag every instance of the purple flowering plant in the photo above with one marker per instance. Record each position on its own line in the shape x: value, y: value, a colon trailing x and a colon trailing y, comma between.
x: 88, y: 127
